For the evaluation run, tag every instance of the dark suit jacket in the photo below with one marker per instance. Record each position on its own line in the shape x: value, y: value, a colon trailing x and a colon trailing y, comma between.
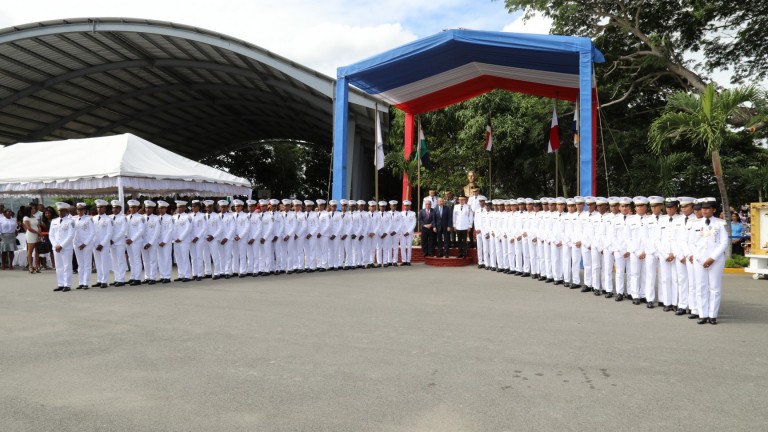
x: 444, y: 221
x: 427, y: 220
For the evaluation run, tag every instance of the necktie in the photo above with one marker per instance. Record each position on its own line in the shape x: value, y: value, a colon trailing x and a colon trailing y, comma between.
x: 462, y: 208
x: 686, y: 220
x: 657, y: 218
x: 625, y: 217
x: 670, y: 218
x: 707, y: 222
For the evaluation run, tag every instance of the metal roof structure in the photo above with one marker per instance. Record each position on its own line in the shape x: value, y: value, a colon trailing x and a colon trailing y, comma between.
x: 190, y: 90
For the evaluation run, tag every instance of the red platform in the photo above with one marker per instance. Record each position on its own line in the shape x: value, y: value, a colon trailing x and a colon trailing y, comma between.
x: 453, y: 261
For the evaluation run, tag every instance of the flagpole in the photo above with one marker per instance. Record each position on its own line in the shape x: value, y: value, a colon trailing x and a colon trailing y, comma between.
x: 376, y: 151
x: 490, y: 160
x: 556, y: 159
x: 418, y: 162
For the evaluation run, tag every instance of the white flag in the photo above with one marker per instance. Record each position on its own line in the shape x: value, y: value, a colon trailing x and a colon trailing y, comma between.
x: 379, y: 162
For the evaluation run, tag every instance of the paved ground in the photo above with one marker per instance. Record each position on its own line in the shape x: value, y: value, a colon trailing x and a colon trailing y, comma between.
x: 410, y: 349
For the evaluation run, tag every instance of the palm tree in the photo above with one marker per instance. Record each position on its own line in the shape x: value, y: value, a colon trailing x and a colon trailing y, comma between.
x: 702, y: 119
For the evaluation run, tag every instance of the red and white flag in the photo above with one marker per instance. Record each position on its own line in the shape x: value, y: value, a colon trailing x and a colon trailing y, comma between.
x: 554, y: 134
x: 488, y: 138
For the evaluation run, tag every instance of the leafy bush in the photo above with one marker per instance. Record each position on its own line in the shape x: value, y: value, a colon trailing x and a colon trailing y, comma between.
x: 737, y: 261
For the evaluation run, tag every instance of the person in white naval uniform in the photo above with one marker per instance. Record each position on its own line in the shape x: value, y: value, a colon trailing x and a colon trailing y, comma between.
x: 394, y: 232
x: 164, y: 242
x: 372, y: 238
x: 254, y: 235
x: 558, y: 240
x: 479, y: 219
x: 569, y: 226
x: 226, y: 241
x: 710, y: 240
x: 196, y: 248
x: 268, y: 236
x: 407, y: 229
x: 117, y: 249
x: 462, y: 222
x: 240, y: 239
x: 686, y: 288
x: 693, y: 298
x: 322, y: 244
x: 667, y: 248
x: 310, y: 237
x: 637, y: 246
x: 619, y: 237
x: 61, y: 234
x: 361, y: 231
x: 383, y: 252
x: 213, y: 229
x: 182, y: 229
x: 576, y: 239
x: 134, y: 240
x: 289, y: 237
x: 334, y: 237
x: 299, y: 238
x: 101, y: 244
x: 653, y: 232
x: 149, y: 249
x: 83, y: 245
x: 345, y: 236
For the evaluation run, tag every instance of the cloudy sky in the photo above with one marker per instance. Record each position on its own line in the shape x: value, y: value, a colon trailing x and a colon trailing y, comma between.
x: 322, y: 34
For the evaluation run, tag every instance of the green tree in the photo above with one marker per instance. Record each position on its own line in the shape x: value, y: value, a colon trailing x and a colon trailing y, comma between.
x: 702, y: 120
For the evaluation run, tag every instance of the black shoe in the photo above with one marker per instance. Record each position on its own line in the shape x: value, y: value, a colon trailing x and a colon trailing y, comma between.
x: 217, y: 277
x: 186, y: 280
x: 702, y: 321
x: 609, y: 295
x: 96, y: 285
x: 178, y: 279
x: 636, y: 302
x: 66, y: 289
x: 226, y: 276
x: 134, y: 283
x: 693, y: 316
x: 680, y: 312
x: 575, y: 286
x: 585, y: 288
x: 567, y: 284
x: 207, y: 277
x: 103, y: 285
x: 321, y: 269
x: 649, y: 305
x: 113, y: 284
x: 481, y: 266
x: 643, y: 300
x: 119, y: 284
x: 165, y: 281
x: 619, y: 297
x: 713, y: 321
x: 151, y: 282
x: 558, y: 282
x: 58, y: 289
x: 79, y: 287
x: 86, y: 287
x: 549, y: 280
x: 241, y: 276
x: 146, y: 281
x: 667, y: 308
x: 199, y: 278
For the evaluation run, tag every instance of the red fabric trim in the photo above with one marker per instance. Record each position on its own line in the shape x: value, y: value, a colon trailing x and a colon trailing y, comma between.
x: 407, y: 150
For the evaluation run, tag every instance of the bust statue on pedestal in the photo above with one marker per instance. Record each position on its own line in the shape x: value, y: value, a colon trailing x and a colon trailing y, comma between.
x: 472, y: 178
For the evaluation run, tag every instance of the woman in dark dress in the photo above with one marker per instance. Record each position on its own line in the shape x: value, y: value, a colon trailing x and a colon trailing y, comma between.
x: 44, y: 246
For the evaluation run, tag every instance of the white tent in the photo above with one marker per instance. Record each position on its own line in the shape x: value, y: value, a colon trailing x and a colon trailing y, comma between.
x: 120, y: 164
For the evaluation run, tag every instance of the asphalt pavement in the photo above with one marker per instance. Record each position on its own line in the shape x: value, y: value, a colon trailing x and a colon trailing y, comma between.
x: 396, y: 349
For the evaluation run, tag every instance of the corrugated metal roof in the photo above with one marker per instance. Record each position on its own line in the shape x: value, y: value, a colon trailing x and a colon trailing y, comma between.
x: 187, y: 89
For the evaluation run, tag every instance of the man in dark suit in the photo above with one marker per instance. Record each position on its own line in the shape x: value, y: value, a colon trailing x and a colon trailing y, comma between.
x: 443, y: 227
x: 427, y: 221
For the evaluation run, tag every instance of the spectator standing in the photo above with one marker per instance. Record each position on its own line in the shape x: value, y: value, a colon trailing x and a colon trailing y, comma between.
x: 737, y: 234
x: 443, y: 228
x: 8, y: 227
x: 33, y: 229
x: 427, y: 221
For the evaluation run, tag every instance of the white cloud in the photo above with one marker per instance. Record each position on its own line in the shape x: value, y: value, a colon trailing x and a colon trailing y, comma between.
x: 537, y: 24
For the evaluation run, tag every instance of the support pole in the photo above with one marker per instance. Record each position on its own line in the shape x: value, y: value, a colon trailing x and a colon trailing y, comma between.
x: 376, y: 151
x: 586, y: 117
x: 340, y: 133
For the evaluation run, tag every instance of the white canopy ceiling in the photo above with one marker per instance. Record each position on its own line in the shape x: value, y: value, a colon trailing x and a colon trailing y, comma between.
x: 103, y: 166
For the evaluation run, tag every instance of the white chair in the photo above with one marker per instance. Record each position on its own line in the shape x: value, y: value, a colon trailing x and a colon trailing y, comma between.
x: 20, y: 255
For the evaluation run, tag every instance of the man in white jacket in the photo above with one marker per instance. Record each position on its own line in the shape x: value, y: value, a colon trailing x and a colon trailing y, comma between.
x: 101, y: 244
x: 117, y: 250
x: 83, y: 244
x: 151, y: 235
x: 164, y: 242
x: 61, y: 234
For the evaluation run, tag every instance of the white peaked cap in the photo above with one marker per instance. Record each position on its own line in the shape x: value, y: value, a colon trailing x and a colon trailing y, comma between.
x: 133, y: 203
x: 274, y: 201
x: 360, y: 202
x: 286, y: 201
x: 320, y: 201
x: 332, y: 202
x: 161, y: 203
x: 101, y: 203
x: 251, y: 202
x: 263, y: 202
x: 382, y: 203
x: 406, y: 202
x: 309, y: 203
x: 237, y: 202
x: 393, y: 202
x: 178, y: 203
x: 223, y: 203
x: 62, y: 206
x: 149, y: 203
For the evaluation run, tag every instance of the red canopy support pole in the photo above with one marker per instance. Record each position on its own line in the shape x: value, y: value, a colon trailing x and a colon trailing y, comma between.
x: 407, y: 151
